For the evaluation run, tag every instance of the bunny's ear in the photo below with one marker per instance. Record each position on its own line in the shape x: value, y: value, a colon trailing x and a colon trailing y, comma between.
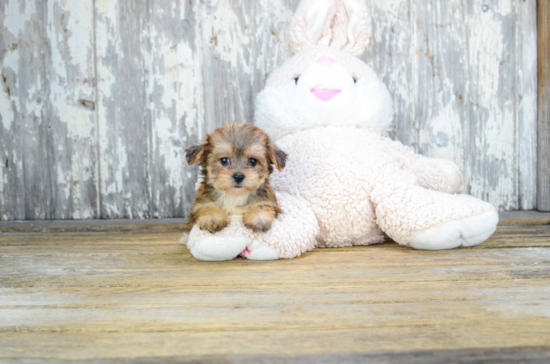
x: 311, y: 24
x: 351, y: 27
x: 342, y: 24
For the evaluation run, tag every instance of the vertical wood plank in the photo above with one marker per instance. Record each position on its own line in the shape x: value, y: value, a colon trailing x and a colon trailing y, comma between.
x: 495, y: 151
x: 11, y: 198
x: 23, y: 100
x: 390, y: 54
x: 122, y: 31
x: 243, y: 41
x: 440, y: 80
x: 489, y: 129
x: 174, y: 103
x: 48, y: 147
x: 543, y: 181
x: 70, y: 113
x: 526, y: 102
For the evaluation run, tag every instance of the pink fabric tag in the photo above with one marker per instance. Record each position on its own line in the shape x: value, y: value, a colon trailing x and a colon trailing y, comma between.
x: 324, y: 94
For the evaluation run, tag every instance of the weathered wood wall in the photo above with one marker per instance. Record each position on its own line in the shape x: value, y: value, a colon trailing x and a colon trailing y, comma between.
x: 99, y: 98
x: 543, y: 175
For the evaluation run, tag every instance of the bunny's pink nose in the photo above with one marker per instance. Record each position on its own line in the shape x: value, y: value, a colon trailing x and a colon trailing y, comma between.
x: 324, y: 94
x: 326, y: 61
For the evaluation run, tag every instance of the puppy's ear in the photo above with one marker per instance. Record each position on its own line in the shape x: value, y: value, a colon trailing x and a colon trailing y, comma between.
x: 196, y: 154
x: 276, y: 156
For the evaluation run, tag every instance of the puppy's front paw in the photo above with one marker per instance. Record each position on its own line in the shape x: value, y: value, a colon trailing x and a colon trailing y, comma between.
x: 259, y: 221
x: 259, y: 227
x: 212, y: 222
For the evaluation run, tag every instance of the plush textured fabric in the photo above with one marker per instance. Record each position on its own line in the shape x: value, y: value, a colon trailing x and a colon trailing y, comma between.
x: 345, y: 183
x: 346, y: 186
x: 292, y: 233
x: 286, y: 106
x: 341, y: 24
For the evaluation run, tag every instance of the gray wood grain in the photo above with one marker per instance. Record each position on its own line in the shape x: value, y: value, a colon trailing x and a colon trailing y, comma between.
x: 99, y: 99
x: 26, y: 187
x: 48, y: 148
x: 12, y: 198
x: 527, y: 218
x: 124, y: 124
x: 243, y: 41
x: 389, y: 53
x: 440, y: 81
x: 543, y: 181
x: 490, y: 136
x: 70, y: 111
x: 526, y: 104
x: 513, y: 355
x: 174, y: 104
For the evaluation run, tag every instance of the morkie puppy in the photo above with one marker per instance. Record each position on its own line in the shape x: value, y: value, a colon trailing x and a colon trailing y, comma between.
x: 236, y: 162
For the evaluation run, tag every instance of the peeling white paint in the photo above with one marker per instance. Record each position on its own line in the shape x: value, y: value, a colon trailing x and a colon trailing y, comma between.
x: 19, y: 13
x: 503, y: 7
x: 11, y: 63
x: 486, y: 48
x: 70, y: 85
x: 8, y: 116
x: 174, y: 86
x: 445, y: 126
x: 526, y: 131
x: 188, y: 91
x: 225, y: 32
x: 106, y: 39
x: 199, y: 128
x: 35, y: 104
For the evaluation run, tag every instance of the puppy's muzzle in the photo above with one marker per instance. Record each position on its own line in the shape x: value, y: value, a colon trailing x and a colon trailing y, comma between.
x: 238, y: 177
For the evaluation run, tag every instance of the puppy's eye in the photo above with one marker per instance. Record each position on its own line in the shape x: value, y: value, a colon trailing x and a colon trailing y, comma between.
x: 252, y: 162
x: 224, y: 161
x: 296, y: 80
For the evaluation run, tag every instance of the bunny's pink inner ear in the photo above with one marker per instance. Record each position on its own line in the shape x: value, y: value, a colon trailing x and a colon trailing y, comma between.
x: 311, y: 24
x: 358, y: 26
x: 339, y: 26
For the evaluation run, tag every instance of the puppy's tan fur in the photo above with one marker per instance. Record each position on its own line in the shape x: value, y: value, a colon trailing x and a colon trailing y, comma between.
x: 219, y: 194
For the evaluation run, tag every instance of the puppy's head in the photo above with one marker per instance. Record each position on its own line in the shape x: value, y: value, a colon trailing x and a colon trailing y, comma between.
x: 237, y: 157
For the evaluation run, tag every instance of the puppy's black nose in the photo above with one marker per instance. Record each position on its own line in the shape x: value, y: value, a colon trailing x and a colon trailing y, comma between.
x: 238, y: 177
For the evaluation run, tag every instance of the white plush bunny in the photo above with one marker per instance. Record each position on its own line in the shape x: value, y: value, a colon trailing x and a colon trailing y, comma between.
x: 345, y: 182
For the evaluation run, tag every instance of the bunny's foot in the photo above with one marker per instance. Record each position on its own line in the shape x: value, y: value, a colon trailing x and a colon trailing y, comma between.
x: 216, y: 248
x: 224, y: 245
x: 431, y: 220
x: 257, y: 250
x: 293, y: 233
x: 469, y: 231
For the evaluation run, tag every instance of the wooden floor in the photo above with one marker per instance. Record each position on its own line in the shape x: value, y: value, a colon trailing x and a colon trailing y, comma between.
x: 136, y: 295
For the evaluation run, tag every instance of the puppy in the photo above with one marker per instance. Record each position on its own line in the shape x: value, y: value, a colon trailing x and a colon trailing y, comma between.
x: 236, y: 162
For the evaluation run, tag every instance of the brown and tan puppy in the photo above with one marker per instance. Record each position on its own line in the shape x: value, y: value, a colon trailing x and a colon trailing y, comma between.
x: 236, y: 163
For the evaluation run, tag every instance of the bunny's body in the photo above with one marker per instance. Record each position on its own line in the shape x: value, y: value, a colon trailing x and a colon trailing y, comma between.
x: 345, y: 182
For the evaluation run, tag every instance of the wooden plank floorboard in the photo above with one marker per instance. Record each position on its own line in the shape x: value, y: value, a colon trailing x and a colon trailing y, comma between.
x: 179, y: 224
x: 135, y: 295
x: 507, y: 355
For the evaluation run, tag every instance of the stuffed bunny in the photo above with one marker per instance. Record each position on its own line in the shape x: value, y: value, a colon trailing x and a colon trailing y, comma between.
x: 345, y: 182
